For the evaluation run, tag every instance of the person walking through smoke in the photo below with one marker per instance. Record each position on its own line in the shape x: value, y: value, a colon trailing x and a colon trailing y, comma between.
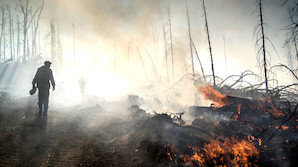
x: 82, y: 83
x: 41, y: 80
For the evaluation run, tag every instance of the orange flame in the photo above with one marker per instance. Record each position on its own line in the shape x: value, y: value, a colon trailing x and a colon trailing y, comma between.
x: 228, y: 153
x: 196, y: 158
x: 209, y: 93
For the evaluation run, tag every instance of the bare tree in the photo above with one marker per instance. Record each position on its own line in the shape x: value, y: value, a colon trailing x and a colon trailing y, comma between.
x: 10, y: 32
x: 53, y: 42
x: 18, y: 39
x: 2, y: 29
x: 209, y: 43
x: 261, y: 39
x: 26, y: 9
x: 263, y: 44
x: 35, y: 29
x: 292, y: 28
x: 171, y: 38
x: 190, y: 40
x: 166, y: 52
x: 202, y: 69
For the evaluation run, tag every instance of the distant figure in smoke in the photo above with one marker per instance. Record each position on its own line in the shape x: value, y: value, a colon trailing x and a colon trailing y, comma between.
x: 82, y: 83
x: 42, y: 77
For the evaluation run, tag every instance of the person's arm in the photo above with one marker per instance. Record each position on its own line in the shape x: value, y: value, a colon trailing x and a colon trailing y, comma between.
x: 52, y: 80
x: 35, y: 79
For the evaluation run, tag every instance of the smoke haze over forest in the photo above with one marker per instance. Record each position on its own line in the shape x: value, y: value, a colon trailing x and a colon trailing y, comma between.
x: 148, y: 82
x: 122, y: 41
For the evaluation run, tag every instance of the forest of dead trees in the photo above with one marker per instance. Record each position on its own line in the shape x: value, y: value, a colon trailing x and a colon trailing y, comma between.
x: 22, y: 39
x: 259, y: 116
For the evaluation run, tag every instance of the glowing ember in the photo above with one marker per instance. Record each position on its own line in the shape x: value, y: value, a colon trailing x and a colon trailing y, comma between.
x: 171, y: 153
x: 209, y: 93
x: 251, y: 139
x: 267, y: 106
x: 238, y: 109
x: 231, y: 152
x: 284, y: 127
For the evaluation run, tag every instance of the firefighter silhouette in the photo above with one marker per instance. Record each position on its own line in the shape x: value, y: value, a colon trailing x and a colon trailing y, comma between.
x: 42, y: 80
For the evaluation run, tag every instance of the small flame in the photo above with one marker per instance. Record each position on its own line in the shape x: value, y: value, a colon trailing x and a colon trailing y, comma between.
x: 209, y: 93
x: 196, y: 158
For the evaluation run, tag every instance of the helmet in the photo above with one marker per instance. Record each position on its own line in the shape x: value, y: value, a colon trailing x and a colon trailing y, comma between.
x: 47, y: 62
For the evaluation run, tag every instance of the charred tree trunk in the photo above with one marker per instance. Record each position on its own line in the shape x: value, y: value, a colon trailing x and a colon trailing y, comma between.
x: 209, y: 43
x: 39, y: 42
x: 166, y: 52
x: 13, y: 41
x: 10, y: 33
x: 25, y: 12
x: 171, y: 39
x: 154, y: 68
x: 18, y: 39
x: 53, y: 41
x: 4, y: 42
x: 292, y: 28
x: 202, y: 69
x: 154, y: 38
x: 263, y: 45
x: 27, y: 20
x: 295, y: 44
x: 36, y: 25
x: 189, y: 35
x: 2, y: 30
x: 59, y: 48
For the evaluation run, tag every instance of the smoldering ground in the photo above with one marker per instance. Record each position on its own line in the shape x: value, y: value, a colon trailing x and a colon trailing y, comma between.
x: 83, y: 129
x: 96, y: 132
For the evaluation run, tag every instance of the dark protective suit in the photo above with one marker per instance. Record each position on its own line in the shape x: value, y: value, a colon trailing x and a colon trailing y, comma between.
x: 42, y: 77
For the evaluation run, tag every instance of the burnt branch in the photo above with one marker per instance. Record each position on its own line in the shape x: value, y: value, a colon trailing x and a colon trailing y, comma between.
x: 280, y: 66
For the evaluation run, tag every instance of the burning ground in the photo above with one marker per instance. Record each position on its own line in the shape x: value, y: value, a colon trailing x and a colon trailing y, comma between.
x: 233, y: 132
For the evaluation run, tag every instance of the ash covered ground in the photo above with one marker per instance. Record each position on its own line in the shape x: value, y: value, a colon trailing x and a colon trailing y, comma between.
x: 102, y: 134
x: 122, y: 133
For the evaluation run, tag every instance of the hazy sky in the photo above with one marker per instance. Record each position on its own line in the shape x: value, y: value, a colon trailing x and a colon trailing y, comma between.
x: 107, y: 28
